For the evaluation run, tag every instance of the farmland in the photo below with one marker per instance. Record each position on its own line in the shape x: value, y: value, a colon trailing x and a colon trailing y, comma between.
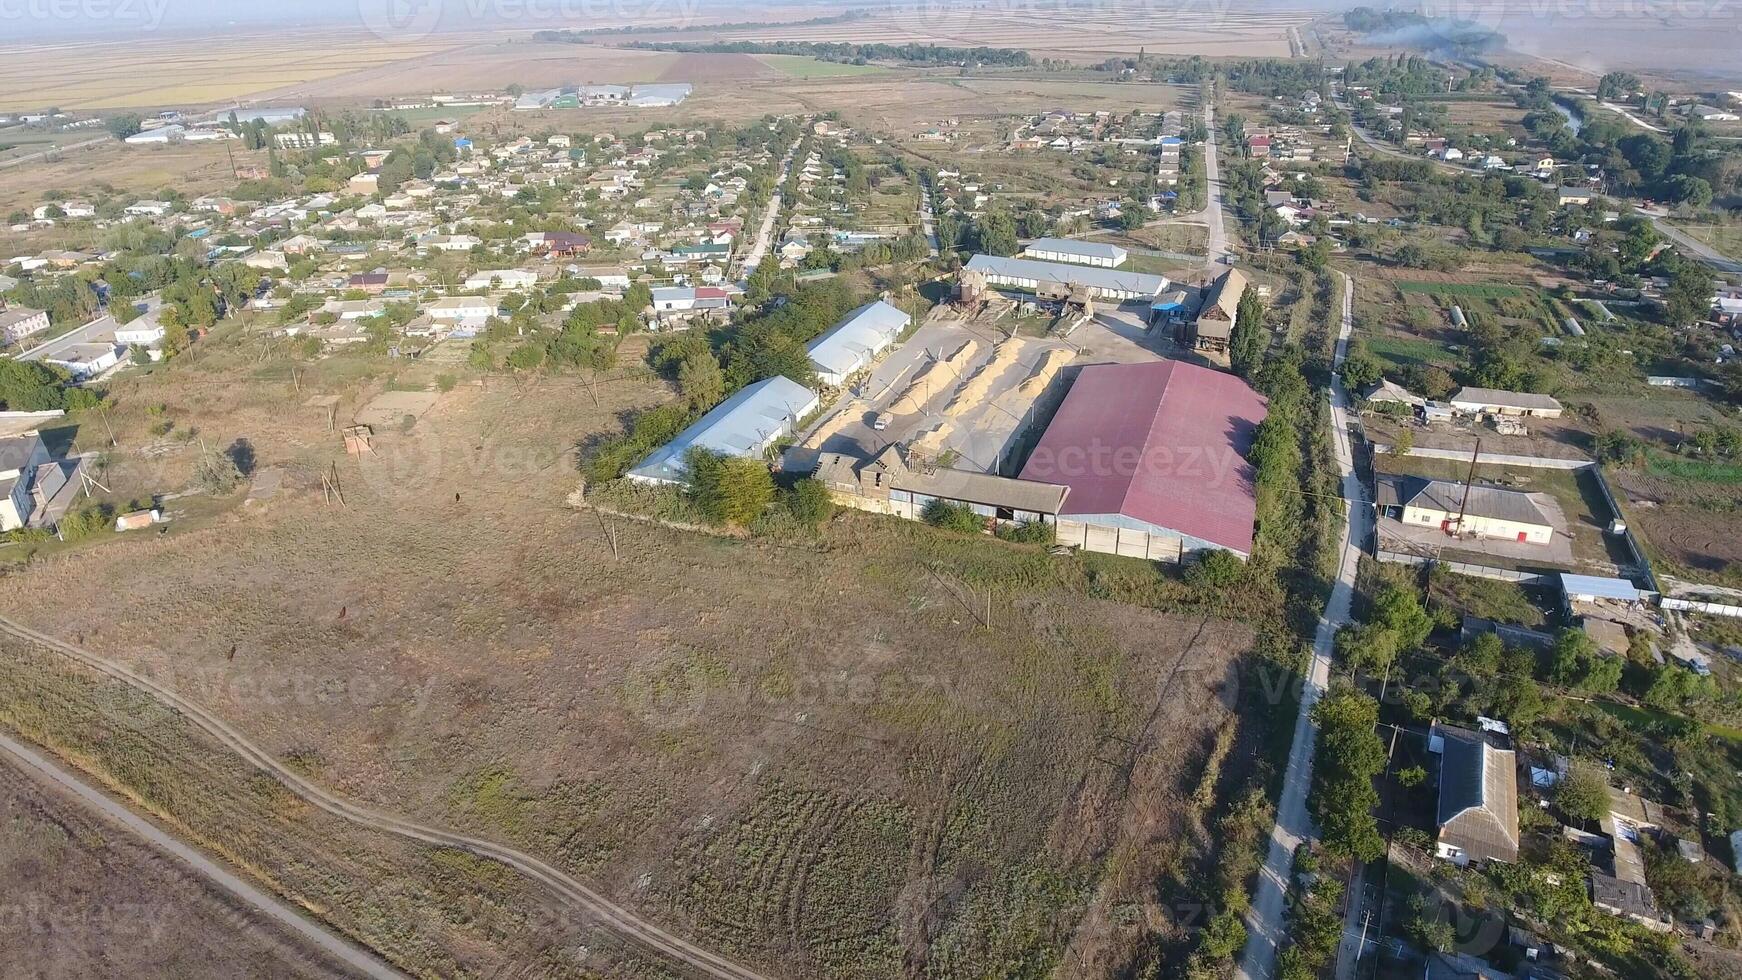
x: 767, y: 745
x: 116, y: 75
x: 802, y: 67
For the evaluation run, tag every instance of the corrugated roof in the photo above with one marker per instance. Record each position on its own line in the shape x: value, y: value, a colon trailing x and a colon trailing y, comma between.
x: 1162, y: 443
x: 849, y: 345
x: 1064, y: 273
x: 742, y: 425
x: 1602, y: 588
x: 1483, y: 500
x: 1509, y: 399
x: 1099, y: 250
x: 1478, y: 805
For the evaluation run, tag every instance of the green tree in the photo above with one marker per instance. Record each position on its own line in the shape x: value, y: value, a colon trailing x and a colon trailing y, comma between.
x: 1214, y: 569
x: 729, y: 489
x: 954, y: 517
x: 1583, y: 793
x: 1249, y: 339
x: 809, y: 502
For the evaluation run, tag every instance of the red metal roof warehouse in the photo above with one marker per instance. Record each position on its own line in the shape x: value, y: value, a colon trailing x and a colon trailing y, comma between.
x: 1158, y: 447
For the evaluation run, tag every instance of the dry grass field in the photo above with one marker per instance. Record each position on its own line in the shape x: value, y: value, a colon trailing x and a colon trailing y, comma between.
x: 174, y: 72
x: 1088, y: 35
x: 809, y: 753
x: 191, y: 168
x: 85, y: 899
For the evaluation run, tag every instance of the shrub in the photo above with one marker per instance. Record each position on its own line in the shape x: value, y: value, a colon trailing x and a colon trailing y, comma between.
x: 1026, y: 532
x: 809, y: 503
x: 729, y: 489
x: 86, y: 523
x: 1214, y: 569
x: 953, y: 517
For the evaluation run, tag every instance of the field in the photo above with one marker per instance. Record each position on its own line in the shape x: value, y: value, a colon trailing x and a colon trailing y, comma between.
x: 1087, y: 36
x: 831, y: 757
x: 182, y: 72
x: 84, y: 898
x: 191, y: 168
x: 802, y: 67
x: 1685, y: 513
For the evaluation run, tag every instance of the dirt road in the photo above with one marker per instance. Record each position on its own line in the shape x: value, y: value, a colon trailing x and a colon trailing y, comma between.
x: 600, y: 909
x: 1265, y: 926
x: 359, y: 961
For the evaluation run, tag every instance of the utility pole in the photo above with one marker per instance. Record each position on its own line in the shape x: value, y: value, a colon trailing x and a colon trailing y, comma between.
x: 1464, y: 504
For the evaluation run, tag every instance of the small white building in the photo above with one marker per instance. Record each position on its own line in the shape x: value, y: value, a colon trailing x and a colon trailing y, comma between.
x: 461, y: 308
x: 502, y: 279
x: 1493, y: 401
x: 19, y: 322
x: 84, y: 361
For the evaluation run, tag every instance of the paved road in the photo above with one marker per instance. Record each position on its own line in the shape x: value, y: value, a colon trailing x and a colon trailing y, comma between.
x: 45, y: 154
x: 927, y: 223
x: 596, y: 907
x: 763, y: 237
x: 1214, y: 205
x: 1264, y: 922
x: 88, y: 333
x: 1694, y: 247
x: 360, y: 961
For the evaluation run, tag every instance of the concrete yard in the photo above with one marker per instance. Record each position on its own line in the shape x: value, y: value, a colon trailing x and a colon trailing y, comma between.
x: 1394, y: 535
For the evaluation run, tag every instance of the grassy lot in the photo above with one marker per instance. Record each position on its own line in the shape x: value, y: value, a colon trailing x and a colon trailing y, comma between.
x: 1402, y: 351
x: 1485, y: 290
x: 1726, y: 237
x: 1696, y: 470
x: 788, y: 749
x: 87, y: 899
x: 799, y: 66
x: 1503, y: 602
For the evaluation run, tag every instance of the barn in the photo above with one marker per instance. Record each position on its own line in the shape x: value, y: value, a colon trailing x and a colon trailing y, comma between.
x: 849, y: 346
x: 1154, y: 455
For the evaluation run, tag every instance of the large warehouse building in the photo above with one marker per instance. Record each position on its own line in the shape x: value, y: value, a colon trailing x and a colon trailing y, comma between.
x: 1102, y: 254
x: 851, y: 345
x: 1032, y: 274
x: 745, y: 424
x: 1154, y: 455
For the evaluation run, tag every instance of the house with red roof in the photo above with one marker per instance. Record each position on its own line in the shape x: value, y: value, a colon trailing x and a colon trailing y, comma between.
x: 1154, y: 455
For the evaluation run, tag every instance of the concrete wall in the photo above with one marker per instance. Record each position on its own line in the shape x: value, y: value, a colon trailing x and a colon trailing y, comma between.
x: 1110, y: 540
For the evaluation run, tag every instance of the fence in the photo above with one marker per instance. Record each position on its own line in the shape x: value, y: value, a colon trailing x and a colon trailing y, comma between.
x: 1709, y: 608
x: 1465, y: 568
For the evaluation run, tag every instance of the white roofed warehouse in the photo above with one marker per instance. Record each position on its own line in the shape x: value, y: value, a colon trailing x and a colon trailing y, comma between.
x: 745, y: 424
x: 1032, y: 274
x: 851, y: 345
x: 1099, y: 254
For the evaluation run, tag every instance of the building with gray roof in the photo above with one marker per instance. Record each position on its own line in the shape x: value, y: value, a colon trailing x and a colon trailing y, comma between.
x: 849, y: 346
x: 745, y: 424
x: 1478, y: 797
x: 1100, y: 254
x: 1031, y: 274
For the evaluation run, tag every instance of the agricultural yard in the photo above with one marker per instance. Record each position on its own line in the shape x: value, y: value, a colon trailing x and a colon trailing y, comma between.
x: 84, y: 898
x: 1576, y: 492
x: 1686, y: 513
x: 791, y: 750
